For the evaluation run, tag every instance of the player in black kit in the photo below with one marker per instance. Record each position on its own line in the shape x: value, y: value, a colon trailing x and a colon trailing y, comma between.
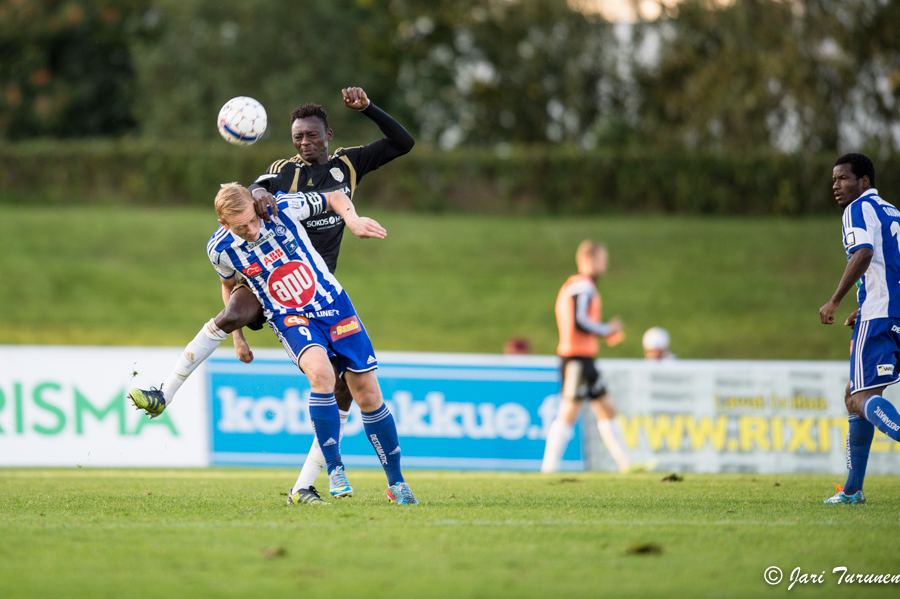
x: 312, y: 169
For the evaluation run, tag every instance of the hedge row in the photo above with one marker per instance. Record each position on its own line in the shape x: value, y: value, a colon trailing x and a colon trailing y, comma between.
x: 522, y: 180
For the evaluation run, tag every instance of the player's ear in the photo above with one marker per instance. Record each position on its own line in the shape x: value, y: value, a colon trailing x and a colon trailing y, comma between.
x: 224, y: 224
x: 329, y: 134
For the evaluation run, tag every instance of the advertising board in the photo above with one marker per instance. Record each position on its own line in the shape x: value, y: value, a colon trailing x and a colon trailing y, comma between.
x: 66, y: 406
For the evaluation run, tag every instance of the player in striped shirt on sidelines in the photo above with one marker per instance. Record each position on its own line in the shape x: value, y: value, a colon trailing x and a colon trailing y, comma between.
x: 871, y: 235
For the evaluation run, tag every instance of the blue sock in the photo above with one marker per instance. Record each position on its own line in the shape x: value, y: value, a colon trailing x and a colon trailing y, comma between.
x: 859, y: 440
x: 326, y: 419
x: 382, y: 434
x: 883, y: 414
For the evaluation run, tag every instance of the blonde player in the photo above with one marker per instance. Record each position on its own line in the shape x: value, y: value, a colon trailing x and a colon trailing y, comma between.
x: 580, y: 328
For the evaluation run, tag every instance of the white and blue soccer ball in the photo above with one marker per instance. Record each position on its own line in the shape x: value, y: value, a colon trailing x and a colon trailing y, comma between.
x: 242, y: 121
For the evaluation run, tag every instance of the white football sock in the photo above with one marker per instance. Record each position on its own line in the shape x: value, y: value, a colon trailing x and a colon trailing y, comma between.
x: 558, y: 437
x: 315, y: 461
x: 611, y: 433
x: 202, y: 347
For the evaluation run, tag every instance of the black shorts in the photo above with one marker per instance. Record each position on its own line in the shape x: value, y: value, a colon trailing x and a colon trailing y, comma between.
x: 260, y: 319
x: 581, y: 379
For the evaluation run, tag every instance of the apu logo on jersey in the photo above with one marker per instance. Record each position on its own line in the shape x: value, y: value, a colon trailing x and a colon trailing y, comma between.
x: 273, y: 256
x: 337, y: 174
x: 345, y: 328
x: 296, y: 321
x: 293, y: 285
x: 253, y: 270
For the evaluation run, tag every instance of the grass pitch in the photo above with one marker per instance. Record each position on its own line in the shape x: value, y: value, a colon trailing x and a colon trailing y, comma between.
x: 228, y: 533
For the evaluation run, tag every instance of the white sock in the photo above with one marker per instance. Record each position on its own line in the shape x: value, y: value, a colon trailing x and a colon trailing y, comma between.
x: 558, y: 438
x: 611, y: 433
x: 202, y: 347
x: 315, y: 461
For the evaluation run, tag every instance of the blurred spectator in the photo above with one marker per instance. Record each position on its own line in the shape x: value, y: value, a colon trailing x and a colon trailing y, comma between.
x: 517, y: 345
x: 656, y: 344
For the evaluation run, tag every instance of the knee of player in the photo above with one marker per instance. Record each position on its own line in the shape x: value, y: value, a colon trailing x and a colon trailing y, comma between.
x: 604, y: 408
x: 321, y: 379
x: 365, y: 390
x: 342, y: 394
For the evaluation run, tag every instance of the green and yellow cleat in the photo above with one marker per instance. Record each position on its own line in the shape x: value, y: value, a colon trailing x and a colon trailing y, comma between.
x: 309, y: 495
x: 151, y: 401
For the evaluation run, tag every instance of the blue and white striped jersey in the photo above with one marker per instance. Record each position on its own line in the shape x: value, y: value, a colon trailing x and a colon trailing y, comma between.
x: 870, y: 222
x: 282, y: 267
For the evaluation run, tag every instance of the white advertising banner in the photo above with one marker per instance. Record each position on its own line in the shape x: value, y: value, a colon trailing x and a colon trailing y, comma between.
x: 735, y: 416
x: 66, y: 406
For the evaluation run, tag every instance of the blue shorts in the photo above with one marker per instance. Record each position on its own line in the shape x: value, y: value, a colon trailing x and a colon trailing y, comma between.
x: 336, y: 329
x: 874, y: 354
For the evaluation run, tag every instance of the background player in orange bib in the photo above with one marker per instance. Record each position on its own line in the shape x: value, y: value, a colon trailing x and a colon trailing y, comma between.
x: 578, y: 309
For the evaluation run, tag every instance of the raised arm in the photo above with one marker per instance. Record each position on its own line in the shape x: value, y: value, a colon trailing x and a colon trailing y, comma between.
x: 361, y: 226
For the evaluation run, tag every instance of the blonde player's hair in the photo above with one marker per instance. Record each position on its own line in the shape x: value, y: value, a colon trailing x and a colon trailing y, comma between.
x: 231, y: 200
x: 587, y: 249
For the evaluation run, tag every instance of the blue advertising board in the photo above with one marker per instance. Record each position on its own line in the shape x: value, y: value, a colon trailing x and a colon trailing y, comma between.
x: 452, y: 411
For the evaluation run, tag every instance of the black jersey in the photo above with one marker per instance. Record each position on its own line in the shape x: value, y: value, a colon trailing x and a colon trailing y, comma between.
x: 343, y: 172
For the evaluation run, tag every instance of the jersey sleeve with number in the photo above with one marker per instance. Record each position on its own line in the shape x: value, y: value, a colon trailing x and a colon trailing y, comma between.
x: 870, y: 222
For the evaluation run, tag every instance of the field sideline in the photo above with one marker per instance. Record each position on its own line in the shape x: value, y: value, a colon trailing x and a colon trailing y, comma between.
x: 228, y: 533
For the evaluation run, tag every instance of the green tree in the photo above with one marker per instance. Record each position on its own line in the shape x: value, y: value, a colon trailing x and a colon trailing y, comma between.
x: 801, y: 75
x: 65, y: 68
x: 481, y: 71
x: 281, y: 52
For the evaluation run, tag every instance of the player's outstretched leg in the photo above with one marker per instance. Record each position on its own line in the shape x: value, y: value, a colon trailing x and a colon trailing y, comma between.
x: 883, y: 414
x: 859, y: 440
x: 154, y: 401
x: 381, y: 431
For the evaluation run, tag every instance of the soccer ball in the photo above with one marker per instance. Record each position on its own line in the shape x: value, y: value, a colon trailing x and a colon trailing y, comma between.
x: 242, y: 121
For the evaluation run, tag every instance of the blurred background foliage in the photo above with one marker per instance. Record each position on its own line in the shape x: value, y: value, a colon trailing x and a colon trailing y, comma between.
x: 779, y: 79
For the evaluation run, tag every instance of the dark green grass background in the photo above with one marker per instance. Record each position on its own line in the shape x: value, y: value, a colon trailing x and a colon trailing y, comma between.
x: 724, y: 287
x: 228, y: 533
